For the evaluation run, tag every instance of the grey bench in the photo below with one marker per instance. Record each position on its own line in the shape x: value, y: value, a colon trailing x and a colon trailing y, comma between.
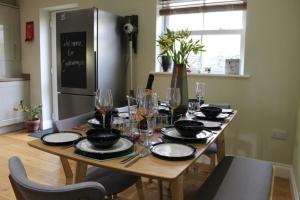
x: 238, y: 178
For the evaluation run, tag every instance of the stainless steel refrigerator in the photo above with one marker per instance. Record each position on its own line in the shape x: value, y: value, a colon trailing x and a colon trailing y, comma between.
x: 90, y: 55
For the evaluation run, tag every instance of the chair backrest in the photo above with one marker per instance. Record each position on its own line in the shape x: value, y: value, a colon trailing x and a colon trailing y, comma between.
x: 68, y: 123
x: 28, y: 190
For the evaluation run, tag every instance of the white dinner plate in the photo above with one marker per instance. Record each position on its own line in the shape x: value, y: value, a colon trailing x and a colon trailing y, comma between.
x: 172, y: 133
x: 173, y: 151
x: 94, y: 121
x: 211, y: 125
x: 64, y: 138
x: 221, y: 116
x: 124, y: 115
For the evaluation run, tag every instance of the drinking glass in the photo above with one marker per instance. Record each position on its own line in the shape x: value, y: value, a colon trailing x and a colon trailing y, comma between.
x: 117, y: 123
x: 173, y: 100
x: 146, y: 109
x: 140, y: 93
x: 161, y: 121
x: 103, y: 102
x: 200, y: 92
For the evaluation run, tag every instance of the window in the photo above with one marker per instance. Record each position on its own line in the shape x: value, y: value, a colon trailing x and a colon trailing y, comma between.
x: 222, y: 33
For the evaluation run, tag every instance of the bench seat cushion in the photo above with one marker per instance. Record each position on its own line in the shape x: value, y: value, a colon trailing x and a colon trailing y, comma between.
x: 238, y: 179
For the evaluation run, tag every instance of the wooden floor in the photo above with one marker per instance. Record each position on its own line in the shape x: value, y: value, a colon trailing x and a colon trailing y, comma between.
x: 45, y: 168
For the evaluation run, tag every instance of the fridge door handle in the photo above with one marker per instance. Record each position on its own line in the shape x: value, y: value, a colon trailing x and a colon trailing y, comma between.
x: 96, y: 70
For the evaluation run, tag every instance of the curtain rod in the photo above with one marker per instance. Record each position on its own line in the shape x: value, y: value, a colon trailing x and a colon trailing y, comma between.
x: 9, y: 5
x: 197, y: 9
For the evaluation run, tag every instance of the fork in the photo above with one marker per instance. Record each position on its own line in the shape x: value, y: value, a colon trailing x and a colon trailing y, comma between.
x: 142, y: 154
x: 132, y: 156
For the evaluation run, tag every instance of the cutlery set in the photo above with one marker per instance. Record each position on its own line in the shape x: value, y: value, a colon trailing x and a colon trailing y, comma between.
x: 129, y: 161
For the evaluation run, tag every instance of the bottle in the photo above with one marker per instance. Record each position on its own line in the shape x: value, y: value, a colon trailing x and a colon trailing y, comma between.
x: 148, y: 89
x: 148, y: 98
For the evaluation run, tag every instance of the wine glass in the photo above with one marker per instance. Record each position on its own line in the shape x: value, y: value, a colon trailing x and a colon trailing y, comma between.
x: 200, y: 92
x: 173, y: 100
x: 103, y: 102
x: 146, y: 109
x: 140, y: 93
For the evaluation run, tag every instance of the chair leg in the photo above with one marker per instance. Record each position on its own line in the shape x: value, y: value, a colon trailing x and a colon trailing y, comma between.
x: 17, y: 193
x: 140, y: 190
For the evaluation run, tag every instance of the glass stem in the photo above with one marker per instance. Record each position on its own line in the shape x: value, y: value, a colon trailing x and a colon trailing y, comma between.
x: 148, y: 132
x: 172, y: 113
x: 103, y: 116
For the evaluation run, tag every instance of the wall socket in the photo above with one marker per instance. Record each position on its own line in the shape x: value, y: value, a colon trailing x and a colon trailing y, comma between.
x: 279, y: 134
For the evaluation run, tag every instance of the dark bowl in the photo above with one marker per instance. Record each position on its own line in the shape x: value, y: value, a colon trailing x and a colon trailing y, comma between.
x: 188, y: 128
x: 210, y: 111
x: 103, y: 138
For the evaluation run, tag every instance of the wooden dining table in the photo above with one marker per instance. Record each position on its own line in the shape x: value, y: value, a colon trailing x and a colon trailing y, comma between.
x: 150, y: 166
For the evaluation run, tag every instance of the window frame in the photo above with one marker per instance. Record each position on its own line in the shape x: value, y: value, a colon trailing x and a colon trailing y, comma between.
x: 241, y: 32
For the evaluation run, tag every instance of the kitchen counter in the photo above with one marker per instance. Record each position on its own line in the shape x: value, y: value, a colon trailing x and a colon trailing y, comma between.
x: 24, y: 77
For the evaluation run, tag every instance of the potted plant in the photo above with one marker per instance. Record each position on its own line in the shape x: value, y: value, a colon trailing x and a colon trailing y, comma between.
x: 32, y: 123
x: 178, y: 45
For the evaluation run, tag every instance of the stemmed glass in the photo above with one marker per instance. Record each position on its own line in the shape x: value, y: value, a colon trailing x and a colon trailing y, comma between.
x: 200, y: 92
x: 140, y: 93
x: 103, y: 102
x: 146, y: 108
x: 173, y: 100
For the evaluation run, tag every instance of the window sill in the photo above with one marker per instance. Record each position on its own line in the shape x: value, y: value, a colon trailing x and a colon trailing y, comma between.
x: 206, y: 75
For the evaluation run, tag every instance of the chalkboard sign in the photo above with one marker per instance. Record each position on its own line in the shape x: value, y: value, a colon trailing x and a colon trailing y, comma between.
x: 73, y: 60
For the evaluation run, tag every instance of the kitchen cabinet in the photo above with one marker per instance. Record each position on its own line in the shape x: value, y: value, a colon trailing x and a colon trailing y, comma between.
x: 10, y: 50
x: 11, y: 93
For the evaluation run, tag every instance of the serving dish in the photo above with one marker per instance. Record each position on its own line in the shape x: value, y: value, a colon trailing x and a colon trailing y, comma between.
x: 188, y: 128
x: 210, y: 112
x: 103, y: 137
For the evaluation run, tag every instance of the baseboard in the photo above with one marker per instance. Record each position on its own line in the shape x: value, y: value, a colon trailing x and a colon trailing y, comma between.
x: 294, y: 184
x: 287, y: 171
x: 11, y: 128
x: 282, y: 170
x: 11, y: 121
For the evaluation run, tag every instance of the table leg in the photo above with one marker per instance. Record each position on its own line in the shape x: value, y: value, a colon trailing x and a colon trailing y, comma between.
x: 160, y: 189
x: 177, y: 188
x: 67, y: 169
x: 221, y: 147
x: 140, y: 189
x: 80, y: 174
